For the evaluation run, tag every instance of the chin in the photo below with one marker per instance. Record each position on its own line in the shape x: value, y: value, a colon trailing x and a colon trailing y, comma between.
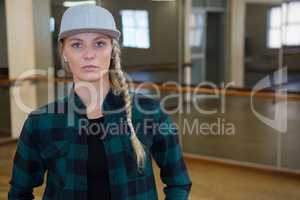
x: 90, y: 77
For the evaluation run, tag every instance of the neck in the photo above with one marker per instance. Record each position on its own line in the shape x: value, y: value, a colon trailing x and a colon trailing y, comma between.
x: 92, y: 94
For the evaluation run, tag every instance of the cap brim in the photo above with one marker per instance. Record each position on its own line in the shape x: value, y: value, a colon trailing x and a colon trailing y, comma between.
x: 111, y: 33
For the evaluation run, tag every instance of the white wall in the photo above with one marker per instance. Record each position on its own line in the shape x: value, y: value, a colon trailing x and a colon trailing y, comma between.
x: 29, y: 48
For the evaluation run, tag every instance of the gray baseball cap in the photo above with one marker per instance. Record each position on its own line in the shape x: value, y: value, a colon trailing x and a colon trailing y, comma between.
x: 87, y: 18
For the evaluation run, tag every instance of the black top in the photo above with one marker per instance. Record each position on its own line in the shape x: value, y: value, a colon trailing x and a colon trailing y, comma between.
x: 97, y: 170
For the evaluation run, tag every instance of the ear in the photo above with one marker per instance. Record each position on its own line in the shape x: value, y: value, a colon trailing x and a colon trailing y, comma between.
x: 62, y: 51
x: 63, y: 54
x: 65, y: 58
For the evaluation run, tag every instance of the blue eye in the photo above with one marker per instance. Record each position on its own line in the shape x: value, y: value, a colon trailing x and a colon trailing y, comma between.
x: 76, y: 45
x: 100, y: 44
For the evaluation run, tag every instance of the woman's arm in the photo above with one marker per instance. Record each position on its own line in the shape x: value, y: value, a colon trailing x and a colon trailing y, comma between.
x: 167, y: 153
x: 28, y: 169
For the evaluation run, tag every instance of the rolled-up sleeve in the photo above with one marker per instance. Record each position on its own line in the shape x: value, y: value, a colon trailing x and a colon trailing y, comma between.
x: 167, y: 153
x: 28, y: 168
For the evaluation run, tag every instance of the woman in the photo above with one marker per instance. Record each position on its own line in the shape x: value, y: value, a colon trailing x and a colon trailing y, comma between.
x: 107, y: 162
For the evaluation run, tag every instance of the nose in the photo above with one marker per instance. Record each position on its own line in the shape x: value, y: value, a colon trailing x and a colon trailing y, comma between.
x: 89, y: 53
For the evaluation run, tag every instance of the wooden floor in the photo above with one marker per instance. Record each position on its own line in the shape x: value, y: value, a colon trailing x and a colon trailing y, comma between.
x: 210, y: 181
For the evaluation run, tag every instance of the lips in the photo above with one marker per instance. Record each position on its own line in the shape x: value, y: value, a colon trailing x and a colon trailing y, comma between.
x: 89, y: 67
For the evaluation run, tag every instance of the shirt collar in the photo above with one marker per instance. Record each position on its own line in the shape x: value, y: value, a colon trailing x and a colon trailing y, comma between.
x: 112, y: 102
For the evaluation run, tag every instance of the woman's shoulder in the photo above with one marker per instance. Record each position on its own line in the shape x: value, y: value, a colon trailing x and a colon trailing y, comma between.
x: 145, y: 101
x: 52, y: 108
x: 43, y: 124
x: 146, y: 106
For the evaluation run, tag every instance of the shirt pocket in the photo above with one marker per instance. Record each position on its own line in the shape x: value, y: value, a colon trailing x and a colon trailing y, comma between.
x: 55, y: 159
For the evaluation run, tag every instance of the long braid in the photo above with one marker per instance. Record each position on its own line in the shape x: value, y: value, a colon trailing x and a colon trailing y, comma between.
x: 119, y: 83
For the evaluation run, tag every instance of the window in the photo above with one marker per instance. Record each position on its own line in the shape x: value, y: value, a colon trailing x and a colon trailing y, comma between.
x: 290, y: 28
x: 135, y: 28
x: 196, y: 29
x: 274, y: 28
x: 52, y: 24
x: 292, y: 24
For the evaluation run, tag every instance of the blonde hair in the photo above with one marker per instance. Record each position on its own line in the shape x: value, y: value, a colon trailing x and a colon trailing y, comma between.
x: 118, y: 83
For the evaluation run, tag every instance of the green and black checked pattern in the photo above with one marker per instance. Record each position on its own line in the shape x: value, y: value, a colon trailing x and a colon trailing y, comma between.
x: 52, y: 141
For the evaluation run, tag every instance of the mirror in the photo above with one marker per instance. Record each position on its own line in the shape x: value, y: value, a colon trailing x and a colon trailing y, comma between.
x: 255, y: 39
x: 262, y: 41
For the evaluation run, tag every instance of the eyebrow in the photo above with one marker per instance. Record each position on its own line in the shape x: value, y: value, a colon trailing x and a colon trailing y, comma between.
x: 75, y: 39
x: 99, y: 37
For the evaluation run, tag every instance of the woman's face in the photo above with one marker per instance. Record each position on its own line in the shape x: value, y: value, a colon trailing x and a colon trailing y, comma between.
x: 88, y: 55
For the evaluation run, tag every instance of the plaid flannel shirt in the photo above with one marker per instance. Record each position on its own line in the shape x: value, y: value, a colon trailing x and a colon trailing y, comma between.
x: 51, y: 141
